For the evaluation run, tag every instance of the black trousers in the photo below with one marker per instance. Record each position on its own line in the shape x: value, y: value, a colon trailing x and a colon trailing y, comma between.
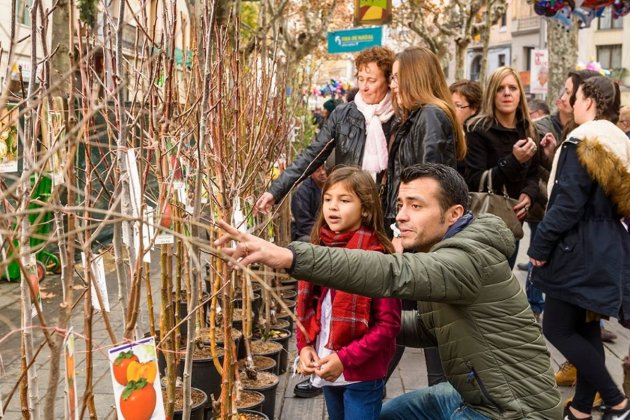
x: 565, y: 326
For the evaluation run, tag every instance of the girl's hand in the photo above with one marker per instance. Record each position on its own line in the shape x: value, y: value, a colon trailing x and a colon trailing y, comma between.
x: 329, y: 368
x: 308, y: 360
x: 537, y: 263
x: 250, y: 249
x: 523, y: 205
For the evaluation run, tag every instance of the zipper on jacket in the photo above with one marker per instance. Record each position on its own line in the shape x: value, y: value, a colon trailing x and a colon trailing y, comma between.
x: 482, y: 387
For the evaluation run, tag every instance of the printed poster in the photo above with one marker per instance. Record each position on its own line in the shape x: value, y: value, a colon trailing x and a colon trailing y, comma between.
x: 136, y: 381
x: 539, y: 79
x: 9, y: 138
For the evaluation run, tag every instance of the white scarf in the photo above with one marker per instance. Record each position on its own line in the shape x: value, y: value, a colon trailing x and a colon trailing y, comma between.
x: 375, y: 154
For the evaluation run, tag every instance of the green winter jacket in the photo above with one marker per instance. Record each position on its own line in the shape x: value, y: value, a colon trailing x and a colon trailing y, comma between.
x: 472, y: 306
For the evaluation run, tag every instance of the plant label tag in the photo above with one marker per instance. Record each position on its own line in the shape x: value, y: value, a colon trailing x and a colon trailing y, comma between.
x: 98, y: 270
x: 134, y: 182
x: 71, y: 406
x: 136, y: 380
x: 164, y: 239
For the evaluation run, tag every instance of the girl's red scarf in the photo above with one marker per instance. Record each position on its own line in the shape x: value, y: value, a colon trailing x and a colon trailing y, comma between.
x: 350, y: 313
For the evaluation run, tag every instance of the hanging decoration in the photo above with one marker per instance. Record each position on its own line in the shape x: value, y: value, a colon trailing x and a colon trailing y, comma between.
x: 561, y: 11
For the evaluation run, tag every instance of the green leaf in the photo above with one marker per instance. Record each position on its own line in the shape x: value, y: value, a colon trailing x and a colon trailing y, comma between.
x: 132, y: 386
x: 122, y: 356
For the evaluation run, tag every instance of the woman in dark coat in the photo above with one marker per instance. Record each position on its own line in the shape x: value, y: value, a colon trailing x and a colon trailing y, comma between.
x: 581, y: 250
x: 502, y: 138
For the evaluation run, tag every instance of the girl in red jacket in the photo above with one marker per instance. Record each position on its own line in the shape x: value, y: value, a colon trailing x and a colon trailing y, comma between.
x: 346, y: 341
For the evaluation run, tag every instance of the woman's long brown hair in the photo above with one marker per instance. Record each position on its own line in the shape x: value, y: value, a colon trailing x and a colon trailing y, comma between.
x: 361, y: 184
x: 421, y: 82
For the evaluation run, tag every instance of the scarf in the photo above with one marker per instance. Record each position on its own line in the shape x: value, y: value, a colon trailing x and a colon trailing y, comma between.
x: 350, y: 313
x: 375, y: 154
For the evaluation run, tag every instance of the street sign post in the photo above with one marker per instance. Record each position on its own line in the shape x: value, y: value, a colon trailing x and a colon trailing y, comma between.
x: 353, y: 40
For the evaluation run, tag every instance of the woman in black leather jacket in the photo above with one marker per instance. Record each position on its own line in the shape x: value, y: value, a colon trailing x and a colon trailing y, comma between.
x: 426, y: 131
x: 355, y: 139
x: 426, y: 128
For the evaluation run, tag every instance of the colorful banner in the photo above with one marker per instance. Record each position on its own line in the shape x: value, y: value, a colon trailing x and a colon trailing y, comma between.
x: 372, y: 12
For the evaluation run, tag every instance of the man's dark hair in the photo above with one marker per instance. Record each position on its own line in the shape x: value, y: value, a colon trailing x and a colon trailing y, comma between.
x: 536, y: 105
x: 453, y: 188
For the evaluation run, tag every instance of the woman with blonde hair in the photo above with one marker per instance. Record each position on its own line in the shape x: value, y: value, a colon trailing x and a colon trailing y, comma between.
x: 503, y: 139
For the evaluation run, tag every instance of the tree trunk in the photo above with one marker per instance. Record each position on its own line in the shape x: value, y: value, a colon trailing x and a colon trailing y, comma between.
x: 60, y: 35
x: 460, y: 59
x: 563, y: 51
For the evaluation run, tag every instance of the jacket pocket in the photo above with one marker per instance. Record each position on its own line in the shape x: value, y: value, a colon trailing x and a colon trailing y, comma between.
x: 482, y: 388
x: 568, y: 242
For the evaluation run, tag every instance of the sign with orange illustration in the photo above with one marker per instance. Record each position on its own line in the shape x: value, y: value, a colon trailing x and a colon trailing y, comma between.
x: 372, y: 12
x: 72, y: 411
x: 136, y: 381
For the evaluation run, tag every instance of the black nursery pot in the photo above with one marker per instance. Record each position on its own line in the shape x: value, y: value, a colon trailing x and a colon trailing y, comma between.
x: 274, y: 354
x: 255, y: 407
x: 197, y: 412
x: 256, y: 413
x: 204, y: 375
x: 284, y: 354
x: 269, y: 391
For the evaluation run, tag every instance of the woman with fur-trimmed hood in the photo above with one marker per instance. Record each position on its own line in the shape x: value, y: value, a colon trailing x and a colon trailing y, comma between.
x: 581, y: 252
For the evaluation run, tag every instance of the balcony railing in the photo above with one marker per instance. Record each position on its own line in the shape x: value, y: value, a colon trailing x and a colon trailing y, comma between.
x: 527, y: 24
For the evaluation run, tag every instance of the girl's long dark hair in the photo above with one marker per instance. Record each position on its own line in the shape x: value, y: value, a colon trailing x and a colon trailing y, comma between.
x: 361, y: 184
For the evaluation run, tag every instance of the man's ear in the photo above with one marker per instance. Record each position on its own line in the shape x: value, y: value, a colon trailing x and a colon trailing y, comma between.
x: 454, y: 213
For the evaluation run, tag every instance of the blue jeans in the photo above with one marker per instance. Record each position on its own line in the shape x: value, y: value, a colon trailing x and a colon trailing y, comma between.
x: 361, y: 400
x: 437, y: 402
x: 534, y: 295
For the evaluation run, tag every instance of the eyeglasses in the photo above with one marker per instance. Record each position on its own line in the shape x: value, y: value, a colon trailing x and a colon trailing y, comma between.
x: 460, y: 106
x: 393, y: 78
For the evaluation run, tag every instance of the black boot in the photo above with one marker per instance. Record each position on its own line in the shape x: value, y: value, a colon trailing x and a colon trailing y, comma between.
x: 305, y: 389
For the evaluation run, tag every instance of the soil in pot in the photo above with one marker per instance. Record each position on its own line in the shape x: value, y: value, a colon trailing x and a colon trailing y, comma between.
x: 250, y: 400
x: 199, y: 399
x: 204, y: 373
x: 288, y: 294
x: 267, y: 384
x: 251, y: 415
x: 237, y: 336
x: 261, y: 364
x: 269, y: 349
x: 256, y: 305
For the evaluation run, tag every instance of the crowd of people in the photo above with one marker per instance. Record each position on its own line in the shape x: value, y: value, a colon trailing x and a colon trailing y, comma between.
x: 389, y: 254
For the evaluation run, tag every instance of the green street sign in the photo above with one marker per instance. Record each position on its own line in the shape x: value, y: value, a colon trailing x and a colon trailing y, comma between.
x: 353, y: 40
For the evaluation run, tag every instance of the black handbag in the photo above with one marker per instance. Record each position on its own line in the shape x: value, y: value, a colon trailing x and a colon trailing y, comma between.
x: 486, y: 201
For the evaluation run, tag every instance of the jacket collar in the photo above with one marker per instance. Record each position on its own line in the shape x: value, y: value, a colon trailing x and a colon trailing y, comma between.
x: 604, y: 150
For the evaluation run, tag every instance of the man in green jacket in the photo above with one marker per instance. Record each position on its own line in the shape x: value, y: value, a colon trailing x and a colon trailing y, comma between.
x: 471, y: 306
